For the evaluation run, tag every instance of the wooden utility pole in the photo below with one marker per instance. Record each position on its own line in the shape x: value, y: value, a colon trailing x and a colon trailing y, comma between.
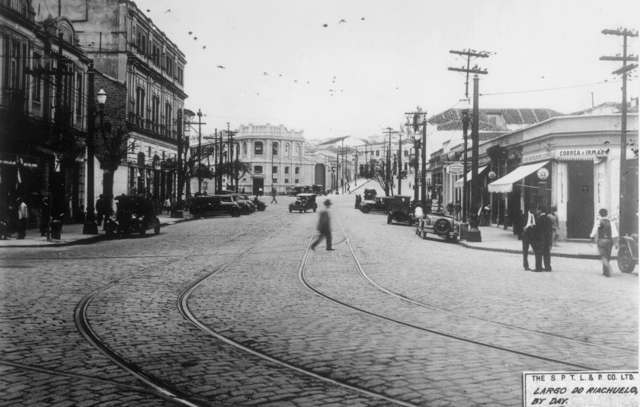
x: 387, y: 176
x: 624, y: 212
x: 400, y: 163
x: 475, y: 136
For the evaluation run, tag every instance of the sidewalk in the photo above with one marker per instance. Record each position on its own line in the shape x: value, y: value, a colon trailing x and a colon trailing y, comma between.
x: 71, y: 235
x: 500, y: 240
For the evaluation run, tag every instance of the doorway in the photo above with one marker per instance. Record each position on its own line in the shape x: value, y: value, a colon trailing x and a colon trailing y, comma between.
x: 258, y: 186
x: 580, y: 199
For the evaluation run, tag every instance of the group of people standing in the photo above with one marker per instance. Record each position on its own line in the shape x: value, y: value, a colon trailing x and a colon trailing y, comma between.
x: 540, y: 233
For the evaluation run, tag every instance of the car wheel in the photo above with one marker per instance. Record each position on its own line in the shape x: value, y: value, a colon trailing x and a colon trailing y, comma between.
x: 442, y: 227
x: 235, y: 213
x: 625, y: 260
x: 389, y: 219
x: 290, y: 210
x: 365, y: 209
x: 424, y: 234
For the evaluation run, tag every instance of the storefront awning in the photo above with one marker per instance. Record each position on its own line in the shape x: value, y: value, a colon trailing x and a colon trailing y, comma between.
x: 468, y: 176
x: 505, y: 184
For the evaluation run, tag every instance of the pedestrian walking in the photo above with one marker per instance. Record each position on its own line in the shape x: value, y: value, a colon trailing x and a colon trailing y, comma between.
x: 274, y: 193
x: 23, y: 218
x: 527, y: 233
x: 604, y: 233
x: 45, y: 217
x: 324, y: 227
x: 543, y: 237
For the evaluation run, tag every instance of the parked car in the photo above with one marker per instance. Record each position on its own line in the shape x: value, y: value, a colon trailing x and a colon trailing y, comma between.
x: 400, y: 209
x: 378, y: 204
x: 438, y: 224
x: 245, y: 203
x: 134, y: 214
x: 260, y: 205
x: 303, y: 203
x: 318, y: 189
x: 209, y: 205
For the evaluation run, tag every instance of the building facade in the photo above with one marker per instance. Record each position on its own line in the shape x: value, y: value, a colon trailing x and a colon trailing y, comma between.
x: 43, y: 111
x: 276, y: 157
x: 128, y: 47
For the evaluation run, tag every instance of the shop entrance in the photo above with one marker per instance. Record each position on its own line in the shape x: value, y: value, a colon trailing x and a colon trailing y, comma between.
x: 258, y: 186
x: 580, y: 199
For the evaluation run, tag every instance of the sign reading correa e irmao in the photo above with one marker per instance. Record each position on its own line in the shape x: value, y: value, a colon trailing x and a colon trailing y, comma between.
x: 581, y: 388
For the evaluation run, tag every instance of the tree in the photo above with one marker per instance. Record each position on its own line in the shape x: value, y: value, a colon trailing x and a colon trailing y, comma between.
x: 111, y: 148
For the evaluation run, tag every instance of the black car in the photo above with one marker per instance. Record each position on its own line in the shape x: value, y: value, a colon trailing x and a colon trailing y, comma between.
x: 209, y: 205
x: 260, y: 205
x: 378, y: 204
x: 400, y: 209
x: 303, y: 203
x: 245, y: 203
x: 134, y: 214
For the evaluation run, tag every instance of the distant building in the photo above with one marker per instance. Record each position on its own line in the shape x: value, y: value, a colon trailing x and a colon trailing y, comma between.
x: 128, y: 47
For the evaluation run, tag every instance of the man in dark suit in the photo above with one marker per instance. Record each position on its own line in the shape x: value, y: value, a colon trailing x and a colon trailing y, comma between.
x: 324, y: 227
x: 543, y: 239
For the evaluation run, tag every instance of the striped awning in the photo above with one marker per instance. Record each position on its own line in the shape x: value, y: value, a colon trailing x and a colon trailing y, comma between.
x: 459, y: 182
x: 505, y: 184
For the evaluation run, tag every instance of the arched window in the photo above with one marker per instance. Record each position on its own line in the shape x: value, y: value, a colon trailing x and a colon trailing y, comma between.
x: 274, y: 148
x: 286, y: 148
x: 257, y: 148
x: 244, y: 148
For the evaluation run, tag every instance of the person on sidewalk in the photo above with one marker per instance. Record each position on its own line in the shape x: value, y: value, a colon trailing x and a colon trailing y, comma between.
x: 100, y: 209
x: 553, y: 215
x: 23, y: 218
x: 604, y: 233
x: 324, y: 227
x: 543, y: 239
x: 45, y: 217
x: 274, y: 193
x: 527, y: 233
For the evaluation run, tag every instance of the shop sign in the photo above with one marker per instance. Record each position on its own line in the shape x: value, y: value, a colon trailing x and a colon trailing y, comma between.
x: 543, y: 174
x: 456, y: 169
x: 580, y: 153
x: 531, y: 158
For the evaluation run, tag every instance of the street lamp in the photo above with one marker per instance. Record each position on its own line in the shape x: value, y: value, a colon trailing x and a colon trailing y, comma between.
x: 90, y: 227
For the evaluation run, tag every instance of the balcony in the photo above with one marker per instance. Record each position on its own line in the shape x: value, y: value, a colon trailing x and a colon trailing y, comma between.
x: 150, y: 128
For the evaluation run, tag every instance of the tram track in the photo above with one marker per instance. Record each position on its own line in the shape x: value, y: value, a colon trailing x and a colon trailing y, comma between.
x: 434, y: 307
x: 442, y: 333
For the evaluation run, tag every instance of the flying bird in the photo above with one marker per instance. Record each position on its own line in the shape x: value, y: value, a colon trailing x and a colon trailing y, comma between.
x: 168, y: 10
x: 361, y: 18
x: 204, y: 47
x: 190, y: 32
x: 221, y: 67
x: 280, y: 75
x: 324, y: 25
x: 195, y: 38
x: 148, y: 11
x: 342, y: 21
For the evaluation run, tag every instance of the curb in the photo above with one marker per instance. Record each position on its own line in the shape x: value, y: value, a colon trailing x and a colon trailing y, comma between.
x: 567, y: 255
x: 84, y: 241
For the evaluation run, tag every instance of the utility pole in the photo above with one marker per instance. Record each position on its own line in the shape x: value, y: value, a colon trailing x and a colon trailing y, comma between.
x: 475, y: 136
x: 387, y: 176
x: 179, y: 164
x: 625, y: 224
x: 465, y: 185
x: 417, y: 119
x: 90, y: 226
x: 199, y: 151
x: 400, y: 163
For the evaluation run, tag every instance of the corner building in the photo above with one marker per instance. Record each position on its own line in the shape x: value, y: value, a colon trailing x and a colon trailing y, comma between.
x: 128, y: 47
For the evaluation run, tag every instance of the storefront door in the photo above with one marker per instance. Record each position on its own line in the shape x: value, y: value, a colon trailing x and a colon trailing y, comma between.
x: 580, y: 199
x: 258, y: 184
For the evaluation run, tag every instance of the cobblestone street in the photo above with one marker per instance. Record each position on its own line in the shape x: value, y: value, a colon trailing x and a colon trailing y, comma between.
x: 238, y: 311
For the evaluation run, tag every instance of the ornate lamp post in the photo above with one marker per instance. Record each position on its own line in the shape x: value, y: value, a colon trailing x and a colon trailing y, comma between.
x: 90, y: 227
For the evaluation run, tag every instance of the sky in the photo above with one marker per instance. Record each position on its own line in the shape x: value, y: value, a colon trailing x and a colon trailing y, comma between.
x: 388, y: 57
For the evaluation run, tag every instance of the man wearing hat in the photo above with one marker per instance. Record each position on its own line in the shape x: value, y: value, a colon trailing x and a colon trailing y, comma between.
x: 324, y: 226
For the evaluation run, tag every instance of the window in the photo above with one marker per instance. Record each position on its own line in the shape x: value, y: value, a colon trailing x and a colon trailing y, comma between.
x: 377, y: 153
x: 155, y: 109
x: 297, y: 170
x: 155, y: 57
x: 274, y: 170
x: 169, y: 65
x: 244, y: 148
x: 257, y: 169
x: 180, y: 72
x: 257, y: 148
x: 168, y: 110
x: 286, y: 180
x: 37, y: 81
x: 274, y: 180
x: 274, y: 148
x: 286, y: 170
x: 286, y: 148
x: 406, y: 153
x: 297, y: 180
x: 79, y: 96
x: 139, y: 102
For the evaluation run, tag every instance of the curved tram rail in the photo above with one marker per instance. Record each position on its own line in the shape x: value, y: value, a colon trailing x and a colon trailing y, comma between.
x: 306, y: 283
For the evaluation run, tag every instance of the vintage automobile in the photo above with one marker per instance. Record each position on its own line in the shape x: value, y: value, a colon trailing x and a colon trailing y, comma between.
x: 245, y: 203
x: 209, y: 205
x: 438, y: 224
x: 134, y: 214
x: 303, y: 203
x: 260, y: 205
x: 318, y: 189
x: 400, y: 209
x: 378, y: 204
